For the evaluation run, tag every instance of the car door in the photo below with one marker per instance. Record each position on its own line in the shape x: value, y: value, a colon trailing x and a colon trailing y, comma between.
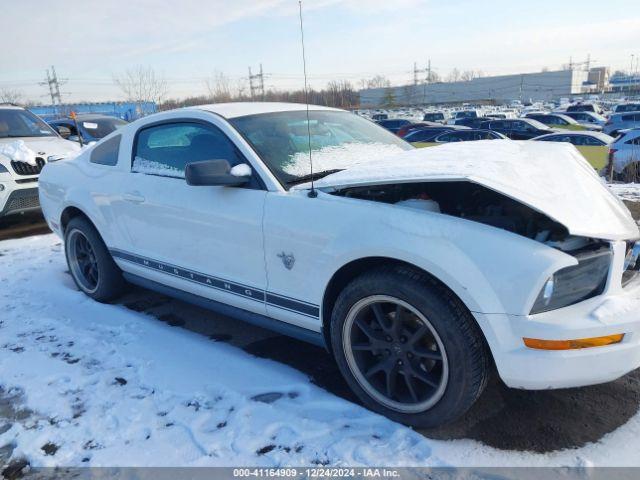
x: 595, y: 151
x: 524, y: 131
x: 206, y: 240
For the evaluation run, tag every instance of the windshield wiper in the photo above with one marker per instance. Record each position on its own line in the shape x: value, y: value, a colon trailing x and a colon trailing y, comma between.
x: 314, y: 176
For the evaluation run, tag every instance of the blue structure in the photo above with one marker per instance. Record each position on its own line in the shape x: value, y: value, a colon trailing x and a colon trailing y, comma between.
x: 128, y: 111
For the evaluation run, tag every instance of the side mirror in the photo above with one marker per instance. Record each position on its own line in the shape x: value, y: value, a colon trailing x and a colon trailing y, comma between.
x: 64, y: 132
x: 216, y: 173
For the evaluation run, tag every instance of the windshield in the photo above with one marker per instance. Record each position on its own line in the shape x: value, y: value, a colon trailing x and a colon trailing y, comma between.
x: 101, y: 127
x: 338, y: 140
x: 21, y: 123
x: 537, y: 124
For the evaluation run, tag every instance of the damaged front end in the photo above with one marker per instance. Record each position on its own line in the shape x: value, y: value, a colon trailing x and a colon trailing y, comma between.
x: 477, y: 203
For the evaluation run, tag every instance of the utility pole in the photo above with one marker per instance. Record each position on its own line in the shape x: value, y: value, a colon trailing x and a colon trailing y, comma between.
x: 429, y: 71
x: 53, y: 82
x: 256, y: 83
x: 415, y: 73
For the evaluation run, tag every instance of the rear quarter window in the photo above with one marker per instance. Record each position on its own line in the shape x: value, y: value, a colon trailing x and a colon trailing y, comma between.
x: 106, y: 153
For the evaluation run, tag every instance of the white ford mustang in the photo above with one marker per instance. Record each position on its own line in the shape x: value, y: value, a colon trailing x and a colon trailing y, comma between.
x: 418, y: 269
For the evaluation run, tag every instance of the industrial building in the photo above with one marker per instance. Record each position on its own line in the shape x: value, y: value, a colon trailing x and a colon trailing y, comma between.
x: 543, y: 86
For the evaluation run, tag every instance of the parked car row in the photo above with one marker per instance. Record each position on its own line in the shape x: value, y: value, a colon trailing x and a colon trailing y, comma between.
x: 615, y: 157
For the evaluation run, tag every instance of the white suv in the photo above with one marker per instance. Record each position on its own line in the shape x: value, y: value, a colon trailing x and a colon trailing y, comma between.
x: 26, y: 143
x: 418, y: 269
x: 624, y: 156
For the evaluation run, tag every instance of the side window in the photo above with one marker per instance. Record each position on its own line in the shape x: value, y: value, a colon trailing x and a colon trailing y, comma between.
x: 166, y: 149
x: 592, y: 141
x: 559, y: 121
x: 447, y: 137
x: 107, y: 152
x: 70, y: 125
x: 627, y: 118
x: 552, y: 138
x: 418, y: 135
x: 633, y: 141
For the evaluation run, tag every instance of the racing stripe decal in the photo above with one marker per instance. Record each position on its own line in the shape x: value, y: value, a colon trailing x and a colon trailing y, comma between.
x: 274, y: 299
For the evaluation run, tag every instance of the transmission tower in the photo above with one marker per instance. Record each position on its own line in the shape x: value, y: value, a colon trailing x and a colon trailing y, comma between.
x: 53, y: 82
x: 427, y: 71
x: 256, y: 83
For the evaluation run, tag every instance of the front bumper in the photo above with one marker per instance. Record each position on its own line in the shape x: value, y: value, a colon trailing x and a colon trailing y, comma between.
x: 616, y: 311
x: 19, y: 200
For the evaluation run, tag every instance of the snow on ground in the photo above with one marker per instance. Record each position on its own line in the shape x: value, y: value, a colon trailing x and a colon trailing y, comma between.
x: 626, y: 191
x: 111, y: 387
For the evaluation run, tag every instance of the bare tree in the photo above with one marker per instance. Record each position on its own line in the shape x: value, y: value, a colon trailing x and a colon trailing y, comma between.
x: 8, y: 95
x: 379, y: 81
x: 433, y: 77
x: 242, y: 89
x: 454, y: 75
x: 142, y: 84
x: 219, y: 87
x: 468, y: 75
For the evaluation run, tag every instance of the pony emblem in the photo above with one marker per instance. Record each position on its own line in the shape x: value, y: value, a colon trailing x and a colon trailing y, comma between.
x: 287, y: 260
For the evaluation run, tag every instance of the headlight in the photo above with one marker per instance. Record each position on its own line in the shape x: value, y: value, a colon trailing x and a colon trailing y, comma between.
x: 3, y: 169
x: 577, y: 283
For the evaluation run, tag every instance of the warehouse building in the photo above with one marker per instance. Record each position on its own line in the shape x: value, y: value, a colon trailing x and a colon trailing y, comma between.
x: 543, y: 86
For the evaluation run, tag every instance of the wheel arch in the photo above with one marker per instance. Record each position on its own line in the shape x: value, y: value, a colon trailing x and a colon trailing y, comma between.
x: 72, y: 211
x: 351, y: 270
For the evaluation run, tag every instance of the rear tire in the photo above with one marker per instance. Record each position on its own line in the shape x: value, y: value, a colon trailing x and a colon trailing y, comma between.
x: 90, y: 263
x: 408, y: 347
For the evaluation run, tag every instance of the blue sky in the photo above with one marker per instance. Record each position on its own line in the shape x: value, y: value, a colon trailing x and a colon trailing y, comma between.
x: 91, y: 41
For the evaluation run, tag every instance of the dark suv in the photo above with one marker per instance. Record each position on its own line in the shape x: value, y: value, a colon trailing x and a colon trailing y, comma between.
x: 518, y: 128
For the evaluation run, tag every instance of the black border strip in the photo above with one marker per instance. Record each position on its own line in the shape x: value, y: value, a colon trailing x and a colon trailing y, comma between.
x: 245, y: 291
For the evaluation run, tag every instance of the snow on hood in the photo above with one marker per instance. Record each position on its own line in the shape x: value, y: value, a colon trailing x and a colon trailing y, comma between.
x: 27, y: 149
x: 552, y: 178
x: 18, y: 150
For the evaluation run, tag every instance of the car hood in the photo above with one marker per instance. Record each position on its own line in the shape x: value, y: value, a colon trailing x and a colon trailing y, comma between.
x: 43, y: 146
x: 550, y: 177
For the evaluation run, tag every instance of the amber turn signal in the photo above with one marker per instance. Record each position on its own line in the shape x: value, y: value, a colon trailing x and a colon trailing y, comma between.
x: 573, y: 344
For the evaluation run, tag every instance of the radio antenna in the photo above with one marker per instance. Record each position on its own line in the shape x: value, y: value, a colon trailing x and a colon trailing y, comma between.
x: 312, y: 192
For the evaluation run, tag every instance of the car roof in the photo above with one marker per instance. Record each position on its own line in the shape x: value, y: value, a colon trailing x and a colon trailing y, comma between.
x: 630, y: 131
x: 579, y: 133
x: 622, y: 114
x: 9, y: 106
x: 241, y: 109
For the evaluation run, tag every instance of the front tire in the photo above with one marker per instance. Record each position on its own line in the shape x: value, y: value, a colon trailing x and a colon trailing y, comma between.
x: 90, y: 263
x: 408, y: 347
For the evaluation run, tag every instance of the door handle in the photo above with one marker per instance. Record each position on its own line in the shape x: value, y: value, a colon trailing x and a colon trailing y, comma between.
x: 133, y: 197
